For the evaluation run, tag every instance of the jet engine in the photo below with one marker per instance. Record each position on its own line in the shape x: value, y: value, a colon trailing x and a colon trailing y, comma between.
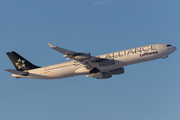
x: 82, y: 56
x: 117, y: 71
x: 104, y: 75
x: 95, y: 73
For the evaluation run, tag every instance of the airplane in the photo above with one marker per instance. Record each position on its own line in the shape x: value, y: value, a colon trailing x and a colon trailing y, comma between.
x: 100, y: 67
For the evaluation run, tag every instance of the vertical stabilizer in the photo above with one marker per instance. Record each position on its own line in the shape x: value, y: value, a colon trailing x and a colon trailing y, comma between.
x: 19, y: 62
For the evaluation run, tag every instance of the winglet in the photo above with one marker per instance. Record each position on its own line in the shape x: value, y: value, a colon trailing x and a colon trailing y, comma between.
x: 51, y: 46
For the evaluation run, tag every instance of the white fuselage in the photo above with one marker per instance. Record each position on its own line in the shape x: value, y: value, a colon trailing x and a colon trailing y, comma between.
x: 122, y: 58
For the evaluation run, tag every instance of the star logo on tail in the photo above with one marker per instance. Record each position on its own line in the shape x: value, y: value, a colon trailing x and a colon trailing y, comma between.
x: 20, y: 64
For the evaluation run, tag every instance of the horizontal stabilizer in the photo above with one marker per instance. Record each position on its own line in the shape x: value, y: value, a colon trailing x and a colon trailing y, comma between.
x: 17, y: 72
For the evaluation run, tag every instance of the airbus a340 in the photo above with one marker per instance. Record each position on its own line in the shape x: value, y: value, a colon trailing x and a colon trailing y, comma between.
x: 100, y: 67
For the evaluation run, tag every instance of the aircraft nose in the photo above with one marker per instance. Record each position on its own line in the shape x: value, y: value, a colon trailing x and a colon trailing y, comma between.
x: 174, y: 48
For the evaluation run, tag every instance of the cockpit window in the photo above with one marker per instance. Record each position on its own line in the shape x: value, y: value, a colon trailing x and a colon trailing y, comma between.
x: 169, y: 45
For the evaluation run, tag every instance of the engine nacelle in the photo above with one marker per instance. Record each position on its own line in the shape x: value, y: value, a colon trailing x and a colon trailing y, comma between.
x: 117, y: 71
x: 82, y: 56
x: 106, y: 62
x: 104, y: 75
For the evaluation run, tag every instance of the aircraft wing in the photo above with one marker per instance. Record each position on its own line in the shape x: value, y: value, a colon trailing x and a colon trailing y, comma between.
x: 83, y: 58
x: 61, y: 50
x: 71, y: 54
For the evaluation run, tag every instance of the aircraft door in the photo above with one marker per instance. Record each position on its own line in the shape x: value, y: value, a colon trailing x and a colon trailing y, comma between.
x: 41, y: 70
x: 159, y: 47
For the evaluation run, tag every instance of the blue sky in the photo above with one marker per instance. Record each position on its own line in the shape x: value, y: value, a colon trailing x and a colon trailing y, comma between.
x: 146, y: 91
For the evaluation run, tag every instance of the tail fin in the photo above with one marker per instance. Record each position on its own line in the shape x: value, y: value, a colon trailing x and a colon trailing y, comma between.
x: 19, y: 62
